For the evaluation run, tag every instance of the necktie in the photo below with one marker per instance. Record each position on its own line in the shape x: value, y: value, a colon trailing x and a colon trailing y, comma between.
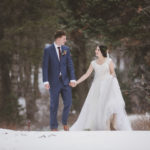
x: 59, y: 52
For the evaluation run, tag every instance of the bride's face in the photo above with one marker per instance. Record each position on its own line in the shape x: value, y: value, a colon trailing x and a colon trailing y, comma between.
x: 98, y: 52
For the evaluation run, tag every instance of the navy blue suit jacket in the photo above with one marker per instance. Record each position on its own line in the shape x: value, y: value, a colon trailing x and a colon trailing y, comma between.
x: 52, y: 66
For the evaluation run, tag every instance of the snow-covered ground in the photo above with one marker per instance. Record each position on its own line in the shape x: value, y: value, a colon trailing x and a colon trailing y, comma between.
x: 139, y: 116
x: 85, y: 140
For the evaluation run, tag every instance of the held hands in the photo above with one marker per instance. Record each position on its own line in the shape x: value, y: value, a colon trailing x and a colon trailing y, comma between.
x: 73, y: 84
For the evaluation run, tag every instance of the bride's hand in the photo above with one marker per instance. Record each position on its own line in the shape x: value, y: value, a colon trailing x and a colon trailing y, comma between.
x: 113, y: 74
x: 73, y: 84
x: 77, y: 82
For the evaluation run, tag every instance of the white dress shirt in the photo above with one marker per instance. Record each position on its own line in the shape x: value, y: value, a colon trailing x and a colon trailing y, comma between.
x: 57, y: 50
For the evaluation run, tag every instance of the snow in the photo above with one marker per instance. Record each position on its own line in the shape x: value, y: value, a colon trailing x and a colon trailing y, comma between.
x: 139, y: 116
x: 40, y: 82
x: 22, y: 103
x: 79, y: 140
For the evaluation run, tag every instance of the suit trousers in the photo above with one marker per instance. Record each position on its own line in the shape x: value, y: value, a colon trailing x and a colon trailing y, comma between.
x: 66, y: 93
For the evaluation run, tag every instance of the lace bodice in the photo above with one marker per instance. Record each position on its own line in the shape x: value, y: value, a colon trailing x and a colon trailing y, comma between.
x: 101, y: 71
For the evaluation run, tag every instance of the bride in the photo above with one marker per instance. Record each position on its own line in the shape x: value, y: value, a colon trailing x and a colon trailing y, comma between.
x: 104, y: 107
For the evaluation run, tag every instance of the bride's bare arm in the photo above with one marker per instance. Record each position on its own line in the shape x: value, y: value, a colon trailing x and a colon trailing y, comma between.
x: 86, y: 75
x: 111, y: 67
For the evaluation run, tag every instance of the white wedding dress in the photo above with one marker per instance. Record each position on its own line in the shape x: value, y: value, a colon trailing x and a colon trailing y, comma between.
x: 103, y: 100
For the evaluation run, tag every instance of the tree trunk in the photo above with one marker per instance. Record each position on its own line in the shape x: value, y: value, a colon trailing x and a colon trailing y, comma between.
x: 9, y: 105
x: 80, y: 65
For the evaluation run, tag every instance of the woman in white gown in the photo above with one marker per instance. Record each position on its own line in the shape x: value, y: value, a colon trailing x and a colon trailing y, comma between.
x: 104, y: 107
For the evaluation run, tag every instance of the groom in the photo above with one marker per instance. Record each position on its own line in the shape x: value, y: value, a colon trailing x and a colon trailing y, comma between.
x: 58, y: 76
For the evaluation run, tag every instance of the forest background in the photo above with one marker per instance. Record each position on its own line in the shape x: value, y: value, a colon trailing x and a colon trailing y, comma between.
x: 27, y: 26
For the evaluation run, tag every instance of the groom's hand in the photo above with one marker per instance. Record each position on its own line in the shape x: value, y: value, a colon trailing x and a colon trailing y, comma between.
x: 47, y: 86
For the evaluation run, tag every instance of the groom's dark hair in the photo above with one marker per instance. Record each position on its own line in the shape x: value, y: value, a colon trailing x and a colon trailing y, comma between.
x: 59, y: 34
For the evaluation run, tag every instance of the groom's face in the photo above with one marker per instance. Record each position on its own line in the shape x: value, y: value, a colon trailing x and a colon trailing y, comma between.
x: 62, y: 40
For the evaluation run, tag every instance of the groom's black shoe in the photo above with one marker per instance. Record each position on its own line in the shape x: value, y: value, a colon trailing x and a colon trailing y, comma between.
x: 66, y: 128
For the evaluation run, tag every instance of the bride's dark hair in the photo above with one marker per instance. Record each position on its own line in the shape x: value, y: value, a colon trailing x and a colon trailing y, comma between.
x: 103, y: 50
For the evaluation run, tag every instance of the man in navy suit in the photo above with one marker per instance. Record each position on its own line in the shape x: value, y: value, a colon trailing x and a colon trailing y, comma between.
x: 58, y: 78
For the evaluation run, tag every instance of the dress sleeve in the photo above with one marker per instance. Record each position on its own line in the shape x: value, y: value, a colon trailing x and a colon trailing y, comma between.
x: 93, y: 63
x: 109, y: 60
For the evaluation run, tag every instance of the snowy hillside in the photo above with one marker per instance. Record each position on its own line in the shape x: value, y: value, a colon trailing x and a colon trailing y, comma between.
x: 85, y: 140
